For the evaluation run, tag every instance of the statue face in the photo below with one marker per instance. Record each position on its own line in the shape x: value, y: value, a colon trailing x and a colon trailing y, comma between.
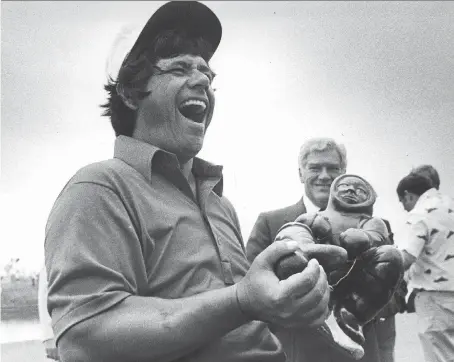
x: 352, y: 190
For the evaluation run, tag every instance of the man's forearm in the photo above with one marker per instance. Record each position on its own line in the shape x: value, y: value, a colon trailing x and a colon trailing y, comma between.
x: 148, y: 329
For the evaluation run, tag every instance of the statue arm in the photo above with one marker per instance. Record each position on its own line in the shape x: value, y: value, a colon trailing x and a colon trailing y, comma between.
x: 320, y: 227
x: 376, y: 230
x: 371, y: 232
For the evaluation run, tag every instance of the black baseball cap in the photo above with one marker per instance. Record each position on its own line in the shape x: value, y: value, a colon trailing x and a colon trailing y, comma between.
x: 192, y: 16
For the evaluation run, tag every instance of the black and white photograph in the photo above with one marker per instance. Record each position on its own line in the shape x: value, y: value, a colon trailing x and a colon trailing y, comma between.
x: 241, y: 181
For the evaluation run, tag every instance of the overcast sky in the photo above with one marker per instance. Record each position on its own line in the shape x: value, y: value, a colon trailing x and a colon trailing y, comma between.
x: 376, y: 76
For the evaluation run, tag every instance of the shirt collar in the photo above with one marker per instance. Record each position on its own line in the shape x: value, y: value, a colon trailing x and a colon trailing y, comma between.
x: 310, y: 207
x: 145, y: 157
x: 433, y: 199
x: 425, y: 201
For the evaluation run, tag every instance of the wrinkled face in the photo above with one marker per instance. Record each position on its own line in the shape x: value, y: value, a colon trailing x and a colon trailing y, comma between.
x: 176, y: 113
x: 352, y: 190
x: 408, y: 201
x: 318, y: 173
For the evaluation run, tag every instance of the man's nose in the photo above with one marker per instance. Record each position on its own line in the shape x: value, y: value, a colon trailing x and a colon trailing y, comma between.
x: 324, y: 174
x: 198, y: 79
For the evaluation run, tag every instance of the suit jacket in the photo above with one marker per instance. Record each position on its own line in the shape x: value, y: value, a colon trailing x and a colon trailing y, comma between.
x: 302, y: 344
x: 267, y: 226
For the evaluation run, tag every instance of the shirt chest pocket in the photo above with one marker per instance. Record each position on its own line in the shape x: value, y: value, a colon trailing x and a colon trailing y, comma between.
x: 182, y: 258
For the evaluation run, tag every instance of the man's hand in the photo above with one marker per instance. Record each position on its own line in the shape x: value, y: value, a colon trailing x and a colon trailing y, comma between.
x: 299, y: 301
x: 330, y: 257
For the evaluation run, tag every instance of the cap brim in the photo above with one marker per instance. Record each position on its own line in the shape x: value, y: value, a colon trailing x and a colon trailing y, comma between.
x: 194, y: 17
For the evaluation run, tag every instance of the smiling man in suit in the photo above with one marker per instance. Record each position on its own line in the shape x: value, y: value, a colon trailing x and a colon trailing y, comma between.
x: 320, y: 161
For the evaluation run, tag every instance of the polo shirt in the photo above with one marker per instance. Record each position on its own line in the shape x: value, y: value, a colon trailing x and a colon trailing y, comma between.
x: 430, y: 239
x: 132, y: 226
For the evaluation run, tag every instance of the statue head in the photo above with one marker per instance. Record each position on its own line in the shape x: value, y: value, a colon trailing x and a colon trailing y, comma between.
x: 352, y: 193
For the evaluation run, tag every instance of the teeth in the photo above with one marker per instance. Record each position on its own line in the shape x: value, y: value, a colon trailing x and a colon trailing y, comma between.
x: 192, y: 102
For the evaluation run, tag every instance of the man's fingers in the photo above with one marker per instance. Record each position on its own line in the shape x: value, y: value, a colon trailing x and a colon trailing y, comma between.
x: 329, y: 256
x: 314, y: 295
x: 313, y: 305
x: 290, y: 264
x: 302, y: 283
x: 268, y: 257
x: 318, y: 305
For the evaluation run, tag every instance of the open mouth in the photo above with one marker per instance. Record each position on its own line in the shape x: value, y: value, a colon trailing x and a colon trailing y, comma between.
x: 349, y: 198
x: 194, y: 109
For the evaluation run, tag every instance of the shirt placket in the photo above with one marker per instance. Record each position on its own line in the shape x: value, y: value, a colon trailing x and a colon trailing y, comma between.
x: 204, y: 189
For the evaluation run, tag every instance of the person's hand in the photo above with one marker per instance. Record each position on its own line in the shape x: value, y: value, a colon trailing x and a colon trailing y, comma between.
x: 355, y: 241
x: 299, y: 301
x: 320, y: 227
x: 330, y: 257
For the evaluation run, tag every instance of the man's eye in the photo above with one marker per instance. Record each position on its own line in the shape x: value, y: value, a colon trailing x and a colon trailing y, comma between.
x: 178, y: 71
x: 210, y: 76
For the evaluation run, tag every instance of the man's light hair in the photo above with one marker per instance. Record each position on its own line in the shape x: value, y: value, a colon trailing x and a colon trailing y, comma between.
x: 322, y: 144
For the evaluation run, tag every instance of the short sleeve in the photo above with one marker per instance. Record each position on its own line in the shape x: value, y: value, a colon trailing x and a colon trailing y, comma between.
x: 93, y: 254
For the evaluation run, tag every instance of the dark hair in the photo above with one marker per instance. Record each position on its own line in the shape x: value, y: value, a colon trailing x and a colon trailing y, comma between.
x: 415, y: 183
x: 135, y: 72
x: 428, y: 171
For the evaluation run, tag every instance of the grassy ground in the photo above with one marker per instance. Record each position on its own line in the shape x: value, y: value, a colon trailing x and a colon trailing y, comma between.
x: 19, y: 300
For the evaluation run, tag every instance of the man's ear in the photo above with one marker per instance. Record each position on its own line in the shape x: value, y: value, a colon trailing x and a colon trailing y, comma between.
x: 301, y: 174
x: 406, y: 195
x: 129, y: 97
x: 410, y: 196
x: 414, y: 197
